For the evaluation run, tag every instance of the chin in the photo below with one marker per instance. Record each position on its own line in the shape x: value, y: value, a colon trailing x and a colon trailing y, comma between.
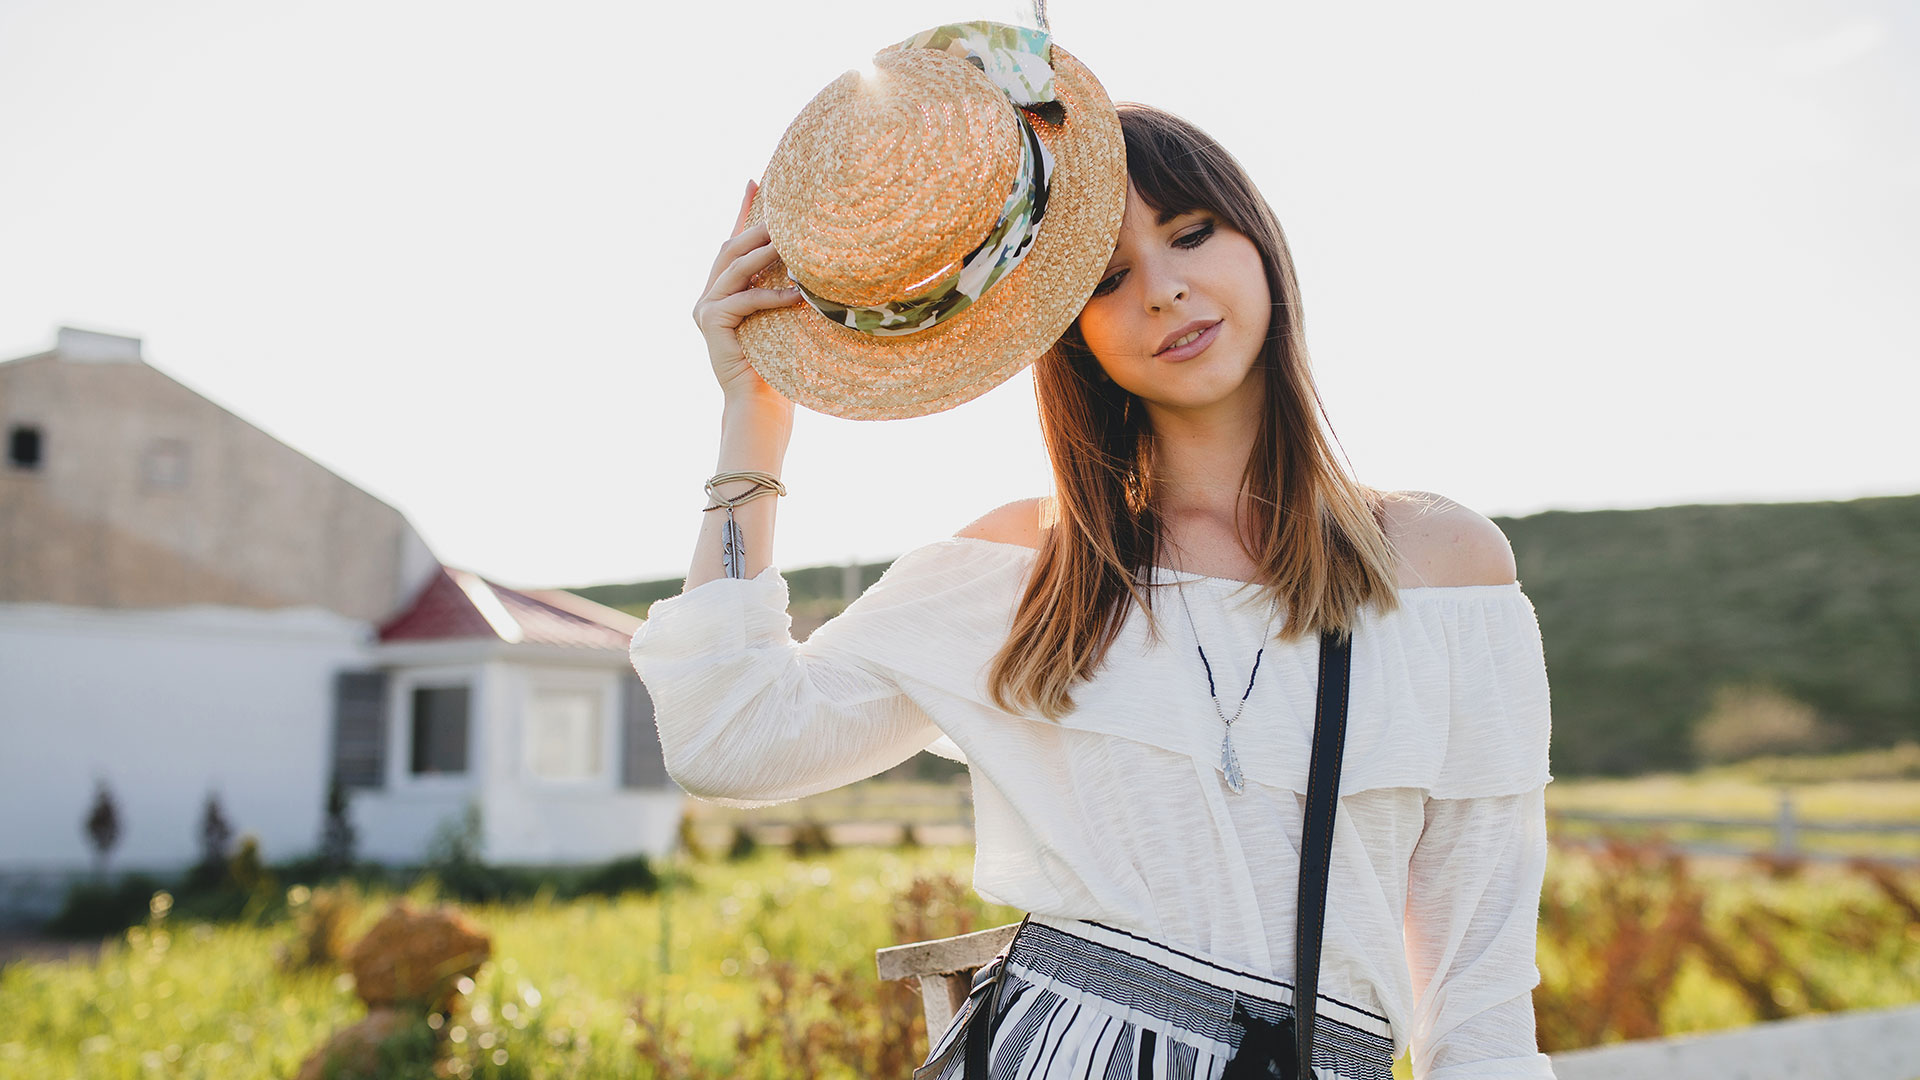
x: 1195, y: 397
x: 1211, y: 390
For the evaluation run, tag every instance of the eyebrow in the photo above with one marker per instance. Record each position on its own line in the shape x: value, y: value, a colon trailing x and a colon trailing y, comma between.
x: 1161, y: 219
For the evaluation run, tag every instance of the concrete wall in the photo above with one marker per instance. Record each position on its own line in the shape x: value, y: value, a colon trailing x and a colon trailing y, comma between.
x: 164, y: 706
x: 149, y: 495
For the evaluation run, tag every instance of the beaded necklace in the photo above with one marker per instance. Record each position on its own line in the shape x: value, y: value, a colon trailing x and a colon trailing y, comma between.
x: 1229, y: 761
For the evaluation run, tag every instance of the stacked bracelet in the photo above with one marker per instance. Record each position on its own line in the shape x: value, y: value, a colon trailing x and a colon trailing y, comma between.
x: 733, y: 546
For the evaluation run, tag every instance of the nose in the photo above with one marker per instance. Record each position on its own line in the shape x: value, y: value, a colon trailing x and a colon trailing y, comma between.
x: 1164, y: 286
x: 1168, y: 302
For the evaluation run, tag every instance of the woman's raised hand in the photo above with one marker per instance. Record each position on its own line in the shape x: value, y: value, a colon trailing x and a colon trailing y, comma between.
x: 728, y: 300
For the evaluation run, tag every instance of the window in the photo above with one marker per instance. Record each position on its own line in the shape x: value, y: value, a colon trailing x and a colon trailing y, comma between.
x: 24, y: 446
x: 564, y: 734
x: 440, y: 730
x: 360, y: 728
x: 165, y: 465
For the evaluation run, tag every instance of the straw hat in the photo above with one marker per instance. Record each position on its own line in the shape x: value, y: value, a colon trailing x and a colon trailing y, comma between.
x: 888, y: 200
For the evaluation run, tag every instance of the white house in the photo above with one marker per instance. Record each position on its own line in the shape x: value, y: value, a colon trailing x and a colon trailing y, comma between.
x: 188, y: 606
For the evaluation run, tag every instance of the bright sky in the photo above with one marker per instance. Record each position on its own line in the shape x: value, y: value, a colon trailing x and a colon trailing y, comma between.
x: 1553, y: 255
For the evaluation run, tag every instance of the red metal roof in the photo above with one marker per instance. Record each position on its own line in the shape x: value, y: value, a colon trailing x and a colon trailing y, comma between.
x: 462, y: 604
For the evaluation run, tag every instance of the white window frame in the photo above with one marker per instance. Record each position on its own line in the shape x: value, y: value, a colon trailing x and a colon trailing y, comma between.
x: 605, y: 691
x: 400, y: 774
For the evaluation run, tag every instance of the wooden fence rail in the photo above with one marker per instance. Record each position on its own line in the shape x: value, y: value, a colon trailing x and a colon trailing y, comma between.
x: 1786, y: 825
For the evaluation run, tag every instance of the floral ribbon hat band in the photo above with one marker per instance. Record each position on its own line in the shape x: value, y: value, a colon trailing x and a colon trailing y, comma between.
x: 945, y: 216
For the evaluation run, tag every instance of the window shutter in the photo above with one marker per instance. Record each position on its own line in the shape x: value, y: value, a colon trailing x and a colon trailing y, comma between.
x: 360, y: 728
x: 642, y: 763
x: 440, y: 718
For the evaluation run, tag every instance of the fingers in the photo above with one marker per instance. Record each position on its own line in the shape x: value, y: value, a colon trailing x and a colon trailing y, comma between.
x: 739, y: 272
x: 746, y: 204
x: 735, y: 308
x: 732, y: 249
x: 728, y: 299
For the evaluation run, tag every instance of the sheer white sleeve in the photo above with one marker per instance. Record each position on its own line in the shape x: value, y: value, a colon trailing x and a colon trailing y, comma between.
x: 748, y: 716
x: 1473, y: 912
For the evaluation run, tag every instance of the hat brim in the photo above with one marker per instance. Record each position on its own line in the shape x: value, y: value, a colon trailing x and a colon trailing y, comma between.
x: 842, y: 372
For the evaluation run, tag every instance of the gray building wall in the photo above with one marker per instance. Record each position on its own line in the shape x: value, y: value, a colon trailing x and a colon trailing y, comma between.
x: 148, y: 495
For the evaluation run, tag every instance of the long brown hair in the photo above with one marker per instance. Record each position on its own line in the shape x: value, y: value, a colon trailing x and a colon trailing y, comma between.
x: 1320, y: 542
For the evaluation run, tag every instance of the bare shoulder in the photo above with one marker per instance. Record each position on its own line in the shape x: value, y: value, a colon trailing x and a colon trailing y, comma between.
x: 1015, y: 523
x: 1442, y: 543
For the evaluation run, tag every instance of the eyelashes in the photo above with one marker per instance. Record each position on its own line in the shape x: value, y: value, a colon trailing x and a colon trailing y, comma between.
x: 1194, y: 238
x: 1186, y: 241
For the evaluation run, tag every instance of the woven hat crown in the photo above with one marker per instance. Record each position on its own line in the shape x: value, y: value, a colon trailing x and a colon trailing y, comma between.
x: 946, y: 214
x: 887, y: 180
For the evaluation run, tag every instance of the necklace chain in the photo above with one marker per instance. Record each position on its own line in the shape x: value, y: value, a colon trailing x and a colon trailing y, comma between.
x: 1220, y: 710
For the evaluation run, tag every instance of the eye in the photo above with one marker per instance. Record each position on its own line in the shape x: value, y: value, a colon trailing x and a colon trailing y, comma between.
x: 1195, y: 237
x: 1109, y: 283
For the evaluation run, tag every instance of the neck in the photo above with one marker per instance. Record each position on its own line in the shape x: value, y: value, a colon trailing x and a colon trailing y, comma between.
x: 1200, y: 463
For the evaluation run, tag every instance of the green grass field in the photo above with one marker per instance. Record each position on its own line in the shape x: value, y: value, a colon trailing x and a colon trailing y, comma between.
x: 581, y: 989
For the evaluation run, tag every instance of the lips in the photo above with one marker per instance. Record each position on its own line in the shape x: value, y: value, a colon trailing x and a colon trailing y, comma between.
x: 1204, y: 328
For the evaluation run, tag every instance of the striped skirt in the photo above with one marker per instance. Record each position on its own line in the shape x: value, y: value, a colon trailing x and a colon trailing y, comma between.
x: 1083, y: 999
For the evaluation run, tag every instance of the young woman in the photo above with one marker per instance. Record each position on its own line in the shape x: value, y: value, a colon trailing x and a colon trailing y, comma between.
x: 1090, y: 653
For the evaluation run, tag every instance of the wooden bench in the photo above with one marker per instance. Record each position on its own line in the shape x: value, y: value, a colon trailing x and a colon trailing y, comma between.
x: 943, y: 970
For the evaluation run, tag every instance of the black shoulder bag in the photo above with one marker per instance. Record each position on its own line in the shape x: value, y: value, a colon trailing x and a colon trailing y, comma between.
x: 1285, y: 1049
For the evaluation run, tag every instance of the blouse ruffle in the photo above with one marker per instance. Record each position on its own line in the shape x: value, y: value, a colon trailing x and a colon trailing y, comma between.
x: 1449, y: 692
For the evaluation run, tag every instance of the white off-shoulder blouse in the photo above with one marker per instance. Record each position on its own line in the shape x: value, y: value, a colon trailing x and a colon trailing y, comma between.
x: 1119, y: 812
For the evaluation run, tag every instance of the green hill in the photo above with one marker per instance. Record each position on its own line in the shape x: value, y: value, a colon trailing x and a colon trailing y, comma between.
x: 1646, y: 613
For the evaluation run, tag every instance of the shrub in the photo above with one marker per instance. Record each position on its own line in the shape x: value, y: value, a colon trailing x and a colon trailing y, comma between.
x: 101, y: 908
x: 478, y: 883
x: 102, y: 826
x: 337, y: 837
x: 690, y: 840
x: 631, y: 874
x: 322, y: 920
x: 210, y: 873
x: 1747, y: 721
x: 243, y: 890
x: 455, y: 867
x: 810, y: 838
x: 246, y: 869
x: 743, y: 844
x: 458, y: 840
x: 825, y: 1022
x: 220, y: 904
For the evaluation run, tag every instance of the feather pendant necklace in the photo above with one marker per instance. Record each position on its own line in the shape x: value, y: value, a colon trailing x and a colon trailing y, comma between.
x: 1229, y: 761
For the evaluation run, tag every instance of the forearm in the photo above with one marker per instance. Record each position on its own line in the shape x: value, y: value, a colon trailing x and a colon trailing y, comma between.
x: 754, y: 431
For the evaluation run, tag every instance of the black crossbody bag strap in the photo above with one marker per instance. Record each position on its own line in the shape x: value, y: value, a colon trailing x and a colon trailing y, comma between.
x: 1316, y: 854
